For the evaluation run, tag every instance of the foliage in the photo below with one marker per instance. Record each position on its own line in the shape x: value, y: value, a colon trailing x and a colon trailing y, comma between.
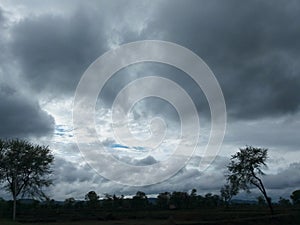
x: 24, y: 168
x: 163, y: 200
x: 92, y: 199
x: 284, y: 202
x: 69, y: 202
x: 261, y: 200
x: 179, y: 199
x: 296, y: 197
x: 140, y: 200
x: 228, y: 191
x: 245, y: 170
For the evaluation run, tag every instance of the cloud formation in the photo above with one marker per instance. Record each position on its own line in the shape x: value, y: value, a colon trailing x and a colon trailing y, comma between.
x: 21, y: 116
x: 252, y: 47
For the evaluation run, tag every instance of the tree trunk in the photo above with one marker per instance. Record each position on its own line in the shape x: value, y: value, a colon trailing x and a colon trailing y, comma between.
x: 15, y: 199
x: 268, y: 200
x: 264, y: 192
x: 14, y: 207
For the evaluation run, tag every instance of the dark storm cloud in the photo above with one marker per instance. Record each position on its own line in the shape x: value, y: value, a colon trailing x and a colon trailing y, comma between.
x: 253, y: 48
x: 21, y: 116
x: 55, y: 50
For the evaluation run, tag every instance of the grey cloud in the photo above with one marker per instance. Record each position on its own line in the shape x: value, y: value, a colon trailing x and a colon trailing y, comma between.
x: 277, y: 135
x: 75, y: 181
x: 252, y: 47
x: 2, y: 18
x: 287, y: 177
x: 66, y: 171
x: 21, y: 116
x: 149, y: 160
x: 54, y: 50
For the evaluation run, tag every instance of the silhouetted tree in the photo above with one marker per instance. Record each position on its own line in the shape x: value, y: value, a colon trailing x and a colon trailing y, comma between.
x: 140, y: 200
x: 69, y: 202
x: 211, y: 200
x: 296, y: 197
x: 284, y: 202
x: 261, y: 200
x: 92, y: 199
x: 163, y: 200
x: 228, y: 191
x: 24, y: 168
x: 118, y: 201
x: 180, y: 199
x: 193, y: 199
x: 109, y: 201
x: 245, y: 169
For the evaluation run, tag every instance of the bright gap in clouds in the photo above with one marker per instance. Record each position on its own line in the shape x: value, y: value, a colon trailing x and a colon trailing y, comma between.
x: 141, y: 115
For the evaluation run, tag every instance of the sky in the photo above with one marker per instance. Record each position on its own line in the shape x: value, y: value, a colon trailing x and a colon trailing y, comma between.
x: 252, y: 48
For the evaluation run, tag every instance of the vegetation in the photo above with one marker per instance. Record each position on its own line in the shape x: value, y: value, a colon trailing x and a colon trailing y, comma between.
x: 182, y: 207
x: 245, y: 171
x: 24, y: 168
x: 296, y: 197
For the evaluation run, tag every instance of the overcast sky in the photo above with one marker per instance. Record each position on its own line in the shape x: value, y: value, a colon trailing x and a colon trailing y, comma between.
x: 252, y: 47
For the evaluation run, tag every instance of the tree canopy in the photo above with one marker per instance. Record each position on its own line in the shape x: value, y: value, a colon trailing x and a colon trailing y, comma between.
x: 296, y: 197
x: 24, y: 168
x: 245, y: 170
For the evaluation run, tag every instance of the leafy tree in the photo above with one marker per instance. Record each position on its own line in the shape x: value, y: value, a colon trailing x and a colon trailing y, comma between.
x: 118, y: 201
x: 193, y: 199
x: 108, y: 201
x: 140, y: 200
x: 180, y: 199
x: 211, y: 200
x: 261, y: 200
x: 163, y: 200
x: 92, y: 198
x: 296, y: 197
x: 245, y: 170
x: 24, y: 168
x: 284, y: 202
x: 228, y: 191
x: 69, y: 202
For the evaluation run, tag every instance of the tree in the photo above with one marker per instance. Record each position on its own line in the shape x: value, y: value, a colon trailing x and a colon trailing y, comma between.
x: 163, y: 200
x: 92, y: 198
x: 284, y: 202
x: 228, y: 191
x: 179, y: 199
x: 296, y: 197
x: 69, y: 202
x: 245, y: 170
x: 24, y: 168
x: 261, y: 200
x: 193, y: 199
x: 211, y: 200
x: 140, y: 200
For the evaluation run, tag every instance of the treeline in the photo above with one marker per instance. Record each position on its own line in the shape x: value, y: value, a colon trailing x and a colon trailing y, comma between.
x: 140, y: 201
x: 25, y: 170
